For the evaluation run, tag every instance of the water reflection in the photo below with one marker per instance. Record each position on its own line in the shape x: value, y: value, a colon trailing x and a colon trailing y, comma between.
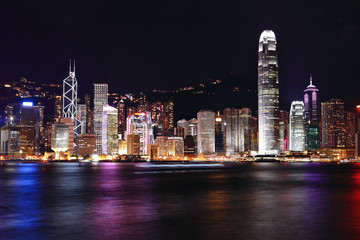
x: 110, y: 201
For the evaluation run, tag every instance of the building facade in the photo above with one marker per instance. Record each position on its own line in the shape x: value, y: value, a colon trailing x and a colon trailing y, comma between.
x: 100, y: 100
x: 297, y: 126
x: 206, y: 132
x: 268, y: 94
x: 110, y: 141
x: 333, y: 124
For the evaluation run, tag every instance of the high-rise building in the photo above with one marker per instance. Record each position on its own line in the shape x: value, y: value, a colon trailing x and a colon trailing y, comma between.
x: 10, y: 141
x: 254, y: 134
x: 110, y: 141
x: 121, y: 119
x: 284, y: 130
x: 81, y: 116
x: 231, y: 123
x: 100, y: 100
x: 244, y: 130
x: 70, y: 123
x: 350, y: 125
x: 57, y: 109
x: 312, y: 115
x: 133, y: 144
x: 268, y: 94
x: 237, y: 124
x: 206, y: 132
x: 140, y: 124
x: 357, y: 130
x: 59, y: 137
x: 312, y: 137
x: 184, y: 124
x: 69, y: 98
x: 192, y: 127
x: 311, y: 103
x: 89, y: 117
x: 333, y: 124
x: 219, y: 133
x: 297, y: 126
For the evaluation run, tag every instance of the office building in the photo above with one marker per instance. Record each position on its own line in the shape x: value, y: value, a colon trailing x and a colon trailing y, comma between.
x: 268, y: 94
x: 219, y: 133
x: 60, y: 137
x: 10, y: 141
x: 70, y: 123
x: 333, y: 124
x: 297, y: 126
x: 110, y: 141
x: 206, y: 132
x: 312, y: 116
x: 284, y: 130
x: 100, y: 100
x: 121, y: 119
x: 175, y: 146
x: 140, y: 124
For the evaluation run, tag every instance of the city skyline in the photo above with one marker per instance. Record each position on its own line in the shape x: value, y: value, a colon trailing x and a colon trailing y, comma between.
x: 126, y: 51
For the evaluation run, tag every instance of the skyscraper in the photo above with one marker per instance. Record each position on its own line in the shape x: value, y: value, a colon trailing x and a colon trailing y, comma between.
x: 312, y: 116
x: 297, y: 126
x: 268, y: 94
x: 237, y: 124
x: 89, y: 118
x: 311, y: 104
x: 284, y: 130
x: 140, y: 124
x: 219, y: 133
x: 206, y: 132
x: 121, y: 118
x: 350, y: 126
x: 69, y: 97
x: 231, y: 130
x: 110, y: 142
x: 100, y: 100
x: 333, y: 124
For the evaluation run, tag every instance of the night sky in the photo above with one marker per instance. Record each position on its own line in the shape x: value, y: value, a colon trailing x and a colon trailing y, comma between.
x: 141, y: 45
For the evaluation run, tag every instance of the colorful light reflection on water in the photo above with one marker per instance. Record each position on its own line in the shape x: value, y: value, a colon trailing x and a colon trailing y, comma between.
x: 241, y: 201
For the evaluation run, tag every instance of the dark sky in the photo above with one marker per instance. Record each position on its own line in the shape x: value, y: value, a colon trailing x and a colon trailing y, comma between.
x: 142, y: 45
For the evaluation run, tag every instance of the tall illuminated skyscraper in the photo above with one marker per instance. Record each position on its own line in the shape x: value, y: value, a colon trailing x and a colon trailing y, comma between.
x: 69, y: 98
x: 206, y: 132
x: 312, y: 116
x: 297, y: 126
x: 268, y: 94
x: 100, y: 100
x: 110, y: 142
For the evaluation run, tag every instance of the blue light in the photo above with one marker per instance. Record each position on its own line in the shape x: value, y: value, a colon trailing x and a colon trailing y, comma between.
x: 27, y: 104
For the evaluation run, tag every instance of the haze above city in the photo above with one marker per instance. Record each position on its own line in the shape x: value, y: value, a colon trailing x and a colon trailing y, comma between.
x: 140, y: 46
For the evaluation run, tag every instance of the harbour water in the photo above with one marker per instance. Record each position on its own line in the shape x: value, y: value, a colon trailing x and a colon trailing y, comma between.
x: 153, y: 201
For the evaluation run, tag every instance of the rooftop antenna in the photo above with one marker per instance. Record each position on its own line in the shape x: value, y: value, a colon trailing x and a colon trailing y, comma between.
x: 69, y: 66
x: 310, y: 79
x: 74, y: 66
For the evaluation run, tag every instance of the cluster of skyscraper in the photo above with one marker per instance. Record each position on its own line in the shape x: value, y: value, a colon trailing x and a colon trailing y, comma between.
x: 144, y: 128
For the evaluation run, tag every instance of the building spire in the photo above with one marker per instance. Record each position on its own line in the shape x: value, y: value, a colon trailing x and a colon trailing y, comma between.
x: 69, y: 66
x: 310, y: 79
x: 74, y: 66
